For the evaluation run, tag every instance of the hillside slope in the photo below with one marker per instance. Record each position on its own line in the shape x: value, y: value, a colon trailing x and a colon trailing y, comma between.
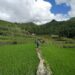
x: 18, y: 32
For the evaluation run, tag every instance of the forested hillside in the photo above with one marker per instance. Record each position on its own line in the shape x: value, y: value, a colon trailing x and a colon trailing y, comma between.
x: 64, y: 28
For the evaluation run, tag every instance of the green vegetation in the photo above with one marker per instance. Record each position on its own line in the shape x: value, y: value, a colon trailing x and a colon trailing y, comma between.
x: 18, y: 59
x: 17, y: 49
x: 61, y: 60
x: 64, y: 42
x: 64, y: 28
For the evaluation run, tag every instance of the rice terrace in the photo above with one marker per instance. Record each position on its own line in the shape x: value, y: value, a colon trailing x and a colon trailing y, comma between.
x: 19, y: 54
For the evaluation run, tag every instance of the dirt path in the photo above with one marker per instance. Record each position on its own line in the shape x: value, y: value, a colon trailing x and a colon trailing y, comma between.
x: 43, y: 69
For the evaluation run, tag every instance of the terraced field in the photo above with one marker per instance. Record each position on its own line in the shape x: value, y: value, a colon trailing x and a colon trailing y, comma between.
x: 18, y: 59
x: 61, y: 60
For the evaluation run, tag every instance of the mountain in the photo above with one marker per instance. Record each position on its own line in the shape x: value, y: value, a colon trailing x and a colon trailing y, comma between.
x: 64, y: 28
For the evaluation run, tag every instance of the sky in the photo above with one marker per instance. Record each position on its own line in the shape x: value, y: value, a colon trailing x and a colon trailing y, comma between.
x: 36, y: 11
x: 61, y: 8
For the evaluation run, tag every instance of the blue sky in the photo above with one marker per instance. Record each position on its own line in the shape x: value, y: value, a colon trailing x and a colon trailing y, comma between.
x: 59, y: 9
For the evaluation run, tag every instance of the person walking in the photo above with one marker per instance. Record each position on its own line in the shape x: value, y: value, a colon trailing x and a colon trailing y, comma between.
x: 38, y: 43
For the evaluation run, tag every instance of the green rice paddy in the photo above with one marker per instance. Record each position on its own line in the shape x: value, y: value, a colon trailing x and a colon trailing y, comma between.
x: 18, y: 59
x: 61, y: 60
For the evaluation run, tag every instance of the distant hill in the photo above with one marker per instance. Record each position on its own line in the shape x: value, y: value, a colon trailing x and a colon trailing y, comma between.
x: 12, y: 33
x: 64, y: 28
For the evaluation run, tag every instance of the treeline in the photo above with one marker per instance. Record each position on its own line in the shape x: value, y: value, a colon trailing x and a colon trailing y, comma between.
x: 64, y: 28
x: 10, y: 29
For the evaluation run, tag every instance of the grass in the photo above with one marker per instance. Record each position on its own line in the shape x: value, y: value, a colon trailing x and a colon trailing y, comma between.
x: 18, y: 59
x: 61, y: 60
x: 18, y: 39
x: 21, y: 58
x: 64, y: 42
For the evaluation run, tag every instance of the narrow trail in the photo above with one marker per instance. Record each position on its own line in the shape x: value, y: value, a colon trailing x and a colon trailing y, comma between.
x: 43, y: 69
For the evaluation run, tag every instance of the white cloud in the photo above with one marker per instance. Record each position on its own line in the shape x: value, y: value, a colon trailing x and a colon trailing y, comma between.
x: 72, y: 12
x: 62, y: 1
x: 37, y: 11
x: 61, y: 17
x: 71, y: 3
x: 4, y: 16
